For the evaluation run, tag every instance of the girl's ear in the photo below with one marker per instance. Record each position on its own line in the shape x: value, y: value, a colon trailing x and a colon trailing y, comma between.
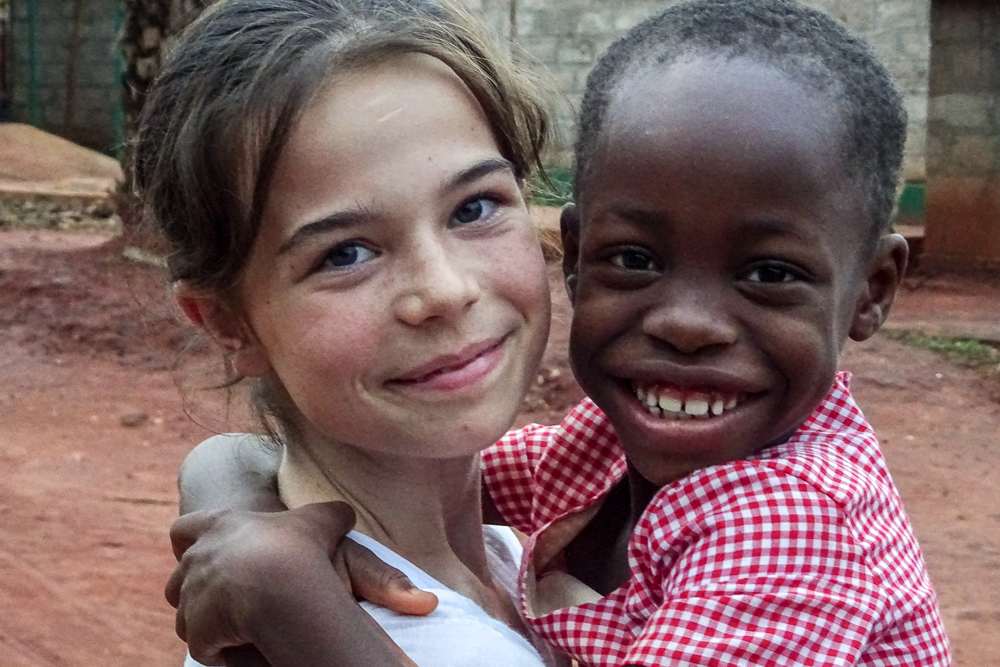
x: 210, y: 313
x: 885, y: 274
x: 569, y: 229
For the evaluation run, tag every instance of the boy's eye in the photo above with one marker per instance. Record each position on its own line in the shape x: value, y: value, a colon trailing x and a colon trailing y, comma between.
x: 474, y: 210
x: 347, y: 255
x: 633, y: 260
x: 771, y: 274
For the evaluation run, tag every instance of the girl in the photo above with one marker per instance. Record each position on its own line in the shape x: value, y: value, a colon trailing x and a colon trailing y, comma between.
x: 340, y: 182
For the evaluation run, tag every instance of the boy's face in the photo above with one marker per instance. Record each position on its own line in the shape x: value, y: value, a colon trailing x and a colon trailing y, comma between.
x: 718, y: 262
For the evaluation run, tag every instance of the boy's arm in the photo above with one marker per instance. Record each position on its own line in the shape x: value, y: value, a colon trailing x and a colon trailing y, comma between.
x: 270, y: 578
x: 238, y: 472
x: 275, y: 590
x: 509, y: 468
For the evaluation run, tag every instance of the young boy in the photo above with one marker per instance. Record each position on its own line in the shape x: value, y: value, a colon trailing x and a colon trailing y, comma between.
x: 719, y: 498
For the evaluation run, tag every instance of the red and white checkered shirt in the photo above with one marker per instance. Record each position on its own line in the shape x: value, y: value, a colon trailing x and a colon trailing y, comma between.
x: 802, y: 556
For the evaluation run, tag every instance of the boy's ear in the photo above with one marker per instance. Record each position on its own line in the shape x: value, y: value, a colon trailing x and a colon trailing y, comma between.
x: 885, y: 274
x: 569, y: 229
x: 210, y: 313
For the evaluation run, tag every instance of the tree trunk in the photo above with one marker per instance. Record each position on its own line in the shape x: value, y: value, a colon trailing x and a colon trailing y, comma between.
x: 146, y: 33
x: 4, y: 31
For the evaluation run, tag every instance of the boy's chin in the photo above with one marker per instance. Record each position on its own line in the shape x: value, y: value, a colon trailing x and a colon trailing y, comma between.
x: 665, y: 448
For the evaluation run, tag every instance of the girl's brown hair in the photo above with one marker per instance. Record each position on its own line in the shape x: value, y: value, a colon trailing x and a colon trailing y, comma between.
x: 238, y: 79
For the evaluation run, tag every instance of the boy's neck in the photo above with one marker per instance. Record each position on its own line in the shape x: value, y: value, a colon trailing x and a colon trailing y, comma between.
x: 641, y: 491
x: 598, y: 555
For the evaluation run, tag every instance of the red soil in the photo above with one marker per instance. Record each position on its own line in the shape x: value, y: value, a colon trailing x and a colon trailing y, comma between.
x: 93, y: 429
x: 36, y: 162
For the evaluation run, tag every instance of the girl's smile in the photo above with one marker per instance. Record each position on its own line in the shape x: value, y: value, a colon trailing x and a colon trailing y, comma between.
x: 451, y: 372
x: 396, y: 293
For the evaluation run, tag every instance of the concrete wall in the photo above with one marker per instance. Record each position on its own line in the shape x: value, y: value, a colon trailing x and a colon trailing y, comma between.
x: 567, y: 36
x: 963, y: 157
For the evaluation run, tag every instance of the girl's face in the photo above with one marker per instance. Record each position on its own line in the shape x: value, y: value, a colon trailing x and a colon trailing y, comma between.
x: 396, y: 291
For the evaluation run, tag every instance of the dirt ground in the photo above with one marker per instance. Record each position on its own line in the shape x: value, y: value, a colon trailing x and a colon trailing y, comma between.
x: 33, y: 161
x: 93, y: 428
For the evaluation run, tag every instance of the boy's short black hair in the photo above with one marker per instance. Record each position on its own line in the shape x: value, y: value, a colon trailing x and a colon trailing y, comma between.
x: 804, y: 43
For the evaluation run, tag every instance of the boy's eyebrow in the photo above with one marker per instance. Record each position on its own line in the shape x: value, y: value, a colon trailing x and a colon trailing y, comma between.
x: 334, y: 221
x: 746, y: 230
x: 769, y: 226
x: 637, y: 215
x: 765, y: 227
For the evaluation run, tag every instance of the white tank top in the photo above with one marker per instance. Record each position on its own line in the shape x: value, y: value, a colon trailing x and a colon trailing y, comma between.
x: 458, y: 633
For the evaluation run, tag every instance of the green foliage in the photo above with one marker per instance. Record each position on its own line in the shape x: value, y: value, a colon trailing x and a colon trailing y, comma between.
x: 912, y: 200
x: 556, y: 192
x: 967, y: 352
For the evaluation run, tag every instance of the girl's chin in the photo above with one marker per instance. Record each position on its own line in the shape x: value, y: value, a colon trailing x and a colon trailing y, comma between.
x: 439, y: 443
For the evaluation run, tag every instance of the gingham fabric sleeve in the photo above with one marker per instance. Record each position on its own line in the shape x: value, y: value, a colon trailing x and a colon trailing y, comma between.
x: 508, y: 472
x: 769, y: 574
x: 539, y: 473
x: 802, y: 557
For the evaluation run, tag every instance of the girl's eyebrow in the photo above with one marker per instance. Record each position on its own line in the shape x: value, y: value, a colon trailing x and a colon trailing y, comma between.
x: 334, y: 221
x: 477, y: 171
x: 354, y: 217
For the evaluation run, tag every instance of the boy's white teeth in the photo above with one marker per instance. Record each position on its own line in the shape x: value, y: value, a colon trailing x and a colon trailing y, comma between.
x: 675, y: 403
x: 670, y: 404
x: 696, y: 407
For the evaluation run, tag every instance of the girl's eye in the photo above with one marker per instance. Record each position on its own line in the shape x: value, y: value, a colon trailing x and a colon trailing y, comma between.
x: 633, y: 260
x: 474, y: 210
x: 347, y: 255
x: 771, y: 274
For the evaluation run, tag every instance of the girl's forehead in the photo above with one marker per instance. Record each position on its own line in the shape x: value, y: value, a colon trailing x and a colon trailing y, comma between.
x: 382, y: 108
x: 383, y: 81
x: 375, y: 139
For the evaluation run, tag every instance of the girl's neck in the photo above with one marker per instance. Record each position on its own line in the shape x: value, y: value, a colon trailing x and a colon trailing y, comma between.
x: 426, y: 510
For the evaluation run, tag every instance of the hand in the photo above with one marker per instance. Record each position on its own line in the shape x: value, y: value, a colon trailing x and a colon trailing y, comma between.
x: 239, y: 570
x: 244, y: 656
x: 232, y: 563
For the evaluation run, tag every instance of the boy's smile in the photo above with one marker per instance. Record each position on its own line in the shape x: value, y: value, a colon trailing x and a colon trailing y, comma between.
x: 718, y: 262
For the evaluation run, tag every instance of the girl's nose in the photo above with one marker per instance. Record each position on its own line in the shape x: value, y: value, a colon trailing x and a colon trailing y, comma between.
x: 439, y: 285
x: 690, y: 319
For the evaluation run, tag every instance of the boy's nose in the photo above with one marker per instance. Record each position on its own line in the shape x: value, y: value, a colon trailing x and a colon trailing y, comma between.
x: 690, y: 322
x: 438, y: 284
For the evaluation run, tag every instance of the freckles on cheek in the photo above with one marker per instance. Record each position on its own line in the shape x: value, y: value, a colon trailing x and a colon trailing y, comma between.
x: 322, y: 336
x: 328, y: 340
x: 521, y: 270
